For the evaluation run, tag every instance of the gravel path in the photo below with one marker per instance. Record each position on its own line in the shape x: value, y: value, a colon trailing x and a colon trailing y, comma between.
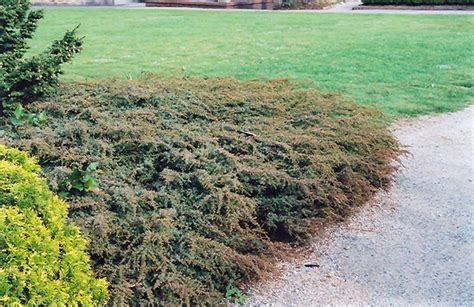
x: 344, y: 7
x: 413, y: 245
x: 348, y: 7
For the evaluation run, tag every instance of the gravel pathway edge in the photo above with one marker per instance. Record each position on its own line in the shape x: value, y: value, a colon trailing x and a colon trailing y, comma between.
x: 414, y: 244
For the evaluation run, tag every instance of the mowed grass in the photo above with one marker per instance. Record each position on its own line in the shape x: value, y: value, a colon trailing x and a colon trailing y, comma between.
x: 405, y: 64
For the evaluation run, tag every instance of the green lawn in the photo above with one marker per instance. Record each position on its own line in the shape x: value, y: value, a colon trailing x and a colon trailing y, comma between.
x: 406, y: 64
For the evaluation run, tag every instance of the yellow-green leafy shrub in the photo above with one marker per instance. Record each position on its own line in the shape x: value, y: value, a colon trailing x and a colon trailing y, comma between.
x: 42, y: 258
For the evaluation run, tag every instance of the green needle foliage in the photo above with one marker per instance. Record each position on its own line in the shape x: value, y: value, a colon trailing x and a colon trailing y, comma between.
x: 23, y: 80
x: 42, y: 258
x: 201, y: 180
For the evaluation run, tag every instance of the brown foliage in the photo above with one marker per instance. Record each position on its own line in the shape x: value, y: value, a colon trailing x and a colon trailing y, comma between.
x: 199, y: 178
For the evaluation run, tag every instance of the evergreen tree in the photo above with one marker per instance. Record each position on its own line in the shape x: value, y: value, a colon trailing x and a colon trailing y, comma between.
x: 22, y: 80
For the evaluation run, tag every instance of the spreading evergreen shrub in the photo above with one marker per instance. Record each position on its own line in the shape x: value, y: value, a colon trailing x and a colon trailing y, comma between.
x: 200, y: 181
x: 23, y: 80
x: 42, y: 258
x: 418, y: 2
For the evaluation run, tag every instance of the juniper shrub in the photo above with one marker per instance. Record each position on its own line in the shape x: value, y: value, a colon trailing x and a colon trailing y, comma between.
x: 199, y: 179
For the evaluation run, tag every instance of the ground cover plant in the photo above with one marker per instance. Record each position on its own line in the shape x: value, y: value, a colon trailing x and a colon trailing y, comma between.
x: 43, y: 259
x: 195, y: 182
x: 406, y: 64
